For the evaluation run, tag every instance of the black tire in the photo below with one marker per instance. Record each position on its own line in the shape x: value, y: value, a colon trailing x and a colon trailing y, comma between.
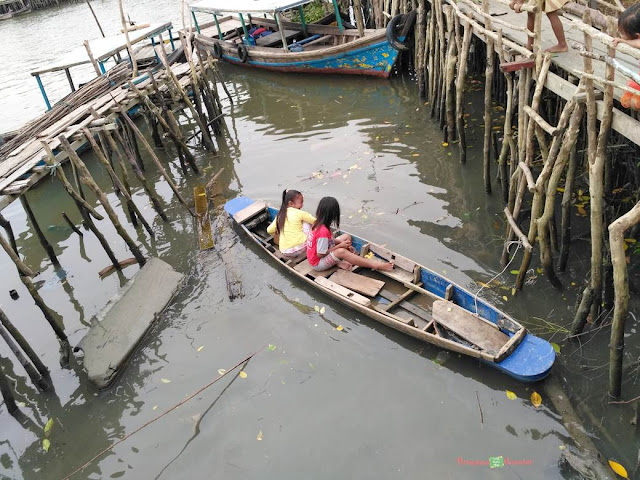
x: 217, y: 50
x: 400, y: 26
x: 243, y: 54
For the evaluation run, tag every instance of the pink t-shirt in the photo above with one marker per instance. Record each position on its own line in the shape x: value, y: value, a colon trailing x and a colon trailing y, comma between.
x: 318, y: 242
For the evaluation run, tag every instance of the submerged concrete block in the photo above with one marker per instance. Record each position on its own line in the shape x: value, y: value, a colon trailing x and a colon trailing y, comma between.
x: 118, y: 328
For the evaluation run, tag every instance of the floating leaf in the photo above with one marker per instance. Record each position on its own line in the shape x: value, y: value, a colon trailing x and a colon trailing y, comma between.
x: 630, y: 240
x: 48, y: 426
x: 505, y: 298
x: 242, y: 374
x: 271, y: 348
x: 155, y: 407
x: 46, y: 444
x: 339, y: 328
x: 515, y: 272
x: 396, y: 139
x: 445, y: 144
x: 316, y: 308
x: 165, y: 380
x: 221, y: 371
x: 539, y: 270
x: 556, y: 347
x: 322, y: 310
x: 560, y: 189
x: 562, y: 447
x: 619, y: 469
x: 353, y: 167
x: 200, y: 348
x: 415, y: 155
x: 511, y: 395
x: 513, y: 292
x: 259, y: 436
x: 617, y: 190
x: 582, y: 211
x: 536, y: 399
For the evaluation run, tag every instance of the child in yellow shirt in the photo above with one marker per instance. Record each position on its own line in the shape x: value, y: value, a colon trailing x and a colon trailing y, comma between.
x: 292, y: 225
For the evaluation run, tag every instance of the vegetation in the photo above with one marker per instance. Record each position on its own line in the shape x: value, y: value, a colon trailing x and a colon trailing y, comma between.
x: 313, y: 12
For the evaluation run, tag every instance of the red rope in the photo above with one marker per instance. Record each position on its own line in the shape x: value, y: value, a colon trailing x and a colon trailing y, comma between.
x: 161, y: 415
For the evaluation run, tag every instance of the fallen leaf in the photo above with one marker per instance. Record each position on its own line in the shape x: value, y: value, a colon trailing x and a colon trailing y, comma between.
x: 316, y: 308
x: 619, y: 469
x: 538, y: 270
x: 221, y: 371
x: 47, y: 427
x: 536, y: 399
x: 353, y: 167
x: 200, y: 348
x: 165, y: 380
x: 322, y: 310
x: 515, y: 272
x: 242, y: 374
x: 560, y: 189
x: 630, y: 240
x: 562, y: 447
x: 445, y: 144
x: 339, y: 328
x: 155, y: 407
x: 271, y: 348
x: 46, y: 444
x: 513, y: 292
x: 511, y: 395
x: 259, y: 436
x: 617, y: 190
x: 556, y: 347
x: 415, y: 155
x: 581, y: 210
x: 396, y: 139
x: 505, y: 298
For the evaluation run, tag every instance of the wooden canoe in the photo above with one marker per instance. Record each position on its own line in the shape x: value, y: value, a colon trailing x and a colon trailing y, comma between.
x: 412, y: 299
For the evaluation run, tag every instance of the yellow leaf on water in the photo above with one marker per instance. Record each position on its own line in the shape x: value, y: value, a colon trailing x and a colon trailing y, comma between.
x: 165, y: 380
x: 560, y: 189
x: 396, y: 139
x: 581, y: 210
x: 445, y: 144
x: 619, y: 469
x: 339, y: 328
x: 513, y: 291
x: 322, y: 310
x: 47, y: 427
x: 259, y: 436
x: 155, y: 407
x: 221, y: 371
x: 515, y: 272
x: 46, y: 444
x: 580, y: 192
x: 511, y: 395
x: 242, y: 374
x: 556, y: 347
x: 200, y: 348
x: 271, y: 348
x: 316, y: 308
x: 536, y: 399
x: 630, y: 240
x: 538, y: 270
x: 505, y: 298
x: 415, y: 155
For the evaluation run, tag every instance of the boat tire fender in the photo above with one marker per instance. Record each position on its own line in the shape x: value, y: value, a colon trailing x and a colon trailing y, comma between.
x: 243, y: 53
x: 399, y: 28
x: 217, y: 50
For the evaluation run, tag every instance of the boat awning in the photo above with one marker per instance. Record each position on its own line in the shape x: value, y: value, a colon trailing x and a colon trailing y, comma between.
x: 246, y: 6
x: 102, y: 48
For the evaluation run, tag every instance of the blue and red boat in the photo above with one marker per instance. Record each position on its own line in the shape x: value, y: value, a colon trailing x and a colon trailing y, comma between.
x: 411, y: 299
x: 254, y: 33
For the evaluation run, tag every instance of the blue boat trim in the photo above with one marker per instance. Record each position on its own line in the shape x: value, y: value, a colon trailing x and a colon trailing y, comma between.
x: 531, y: 360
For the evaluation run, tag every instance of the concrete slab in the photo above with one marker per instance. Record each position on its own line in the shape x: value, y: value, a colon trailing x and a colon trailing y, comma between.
x: 118, y: 328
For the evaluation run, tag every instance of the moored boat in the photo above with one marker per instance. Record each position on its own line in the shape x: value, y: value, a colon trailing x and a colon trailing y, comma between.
x: 412, y: 299
x: 245, y: 38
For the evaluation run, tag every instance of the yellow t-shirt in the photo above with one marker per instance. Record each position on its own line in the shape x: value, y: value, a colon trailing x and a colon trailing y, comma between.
x: 292, y: 234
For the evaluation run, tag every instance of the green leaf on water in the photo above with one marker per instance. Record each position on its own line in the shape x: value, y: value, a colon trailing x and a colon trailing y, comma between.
x: 271, y: 348
x: 47, y: 427
x: 515, y: 272
x: 46, y: 444
x: 556, y: 347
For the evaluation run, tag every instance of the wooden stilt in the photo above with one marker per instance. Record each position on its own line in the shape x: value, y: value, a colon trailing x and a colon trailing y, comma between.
x: 460, y: 82
x: 71, y: 224
x: 7, y: 393
x: 24, y: 345
x: 34, y: 223
x: 488, y: 121
x: 22, y: 267
x: 87, y: 179
x: 6, y: 224
x: 35, y: 377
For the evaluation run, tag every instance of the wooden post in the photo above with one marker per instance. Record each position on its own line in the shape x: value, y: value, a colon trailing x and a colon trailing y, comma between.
x: 157, y: 204
x: 125, y: 27
x: 22, y: 342
x: 22, y: 267
x: 95, y: 18
x: 420, y: 28
x: 357, y: 12
x: 6, y: 224
x: 130, y: 143
x: 34, y: 223
x: 508, y: 144
x: 565, y: 236
x: 488, y: 85
x: 127, y: 195
x: 35, y: 377
x: 87, y: 179
x: 96, y: 67
x: 580, y: 318
x: 155, y: 159
x: 451, y: 63
x: 71, y: 224
x: 460, y: 82
x: 7, y: 393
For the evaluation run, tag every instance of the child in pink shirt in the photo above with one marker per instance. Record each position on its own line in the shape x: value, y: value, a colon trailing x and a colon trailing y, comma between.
x: 323, y: 251
x: 629, y: 28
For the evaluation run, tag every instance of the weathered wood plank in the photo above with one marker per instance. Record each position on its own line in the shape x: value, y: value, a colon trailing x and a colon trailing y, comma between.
x: 361, y: 284
x: 205, y: 236
x: 250, y: 211
x: 469, y: 327
x: 345, y: 292
x: 399, y: 261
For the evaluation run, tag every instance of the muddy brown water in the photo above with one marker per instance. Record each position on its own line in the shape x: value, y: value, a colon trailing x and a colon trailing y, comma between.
x: 363, y: 402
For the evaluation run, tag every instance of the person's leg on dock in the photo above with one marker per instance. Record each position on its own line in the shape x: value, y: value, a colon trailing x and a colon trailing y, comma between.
x: 558, y: 29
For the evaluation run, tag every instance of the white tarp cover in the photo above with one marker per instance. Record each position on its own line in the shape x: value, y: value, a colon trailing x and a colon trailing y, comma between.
x: 246, y: 6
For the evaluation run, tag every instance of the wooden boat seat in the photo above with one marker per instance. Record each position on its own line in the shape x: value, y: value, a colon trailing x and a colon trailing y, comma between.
x: 345, y: 292
x: 361, y: 284
x: 275, y: 38
x: 469, y: 327
x: 305, y: 268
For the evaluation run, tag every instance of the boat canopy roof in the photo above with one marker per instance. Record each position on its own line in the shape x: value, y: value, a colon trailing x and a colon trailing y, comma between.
x: 246, y: 6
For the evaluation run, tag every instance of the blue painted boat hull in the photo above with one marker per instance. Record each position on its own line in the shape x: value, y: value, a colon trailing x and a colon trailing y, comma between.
x: 530, y: 361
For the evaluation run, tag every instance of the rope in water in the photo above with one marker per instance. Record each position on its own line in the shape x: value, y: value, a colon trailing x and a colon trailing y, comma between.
x: 99, y: 454
x: 475, y: 298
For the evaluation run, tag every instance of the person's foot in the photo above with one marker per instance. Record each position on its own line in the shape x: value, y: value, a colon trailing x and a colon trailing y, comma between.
x: 516, y: 5
x: 385, y: 267
x: 345, y: 265
x: 557, y: 49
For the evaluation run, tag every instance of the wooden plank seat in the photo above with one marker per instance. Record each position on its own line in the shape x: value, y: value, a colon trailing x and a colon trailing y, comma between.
x: 469, y: 327
x: 359, y: 283
x: 305, y: 268
x: 249, y: 212
x: 345, y: 292
x: 275, y: 38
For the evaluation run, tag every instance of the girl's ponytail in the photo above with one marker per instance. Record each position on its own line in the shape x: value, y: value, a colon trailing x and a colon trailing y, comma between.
x: 287, y: 196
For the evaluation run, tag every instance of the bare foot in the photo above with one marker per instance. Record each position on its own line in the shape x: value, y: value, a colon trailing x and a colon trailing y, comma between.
x: 344, y: 265
x: 385, y: 267
x: 557, y: 49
